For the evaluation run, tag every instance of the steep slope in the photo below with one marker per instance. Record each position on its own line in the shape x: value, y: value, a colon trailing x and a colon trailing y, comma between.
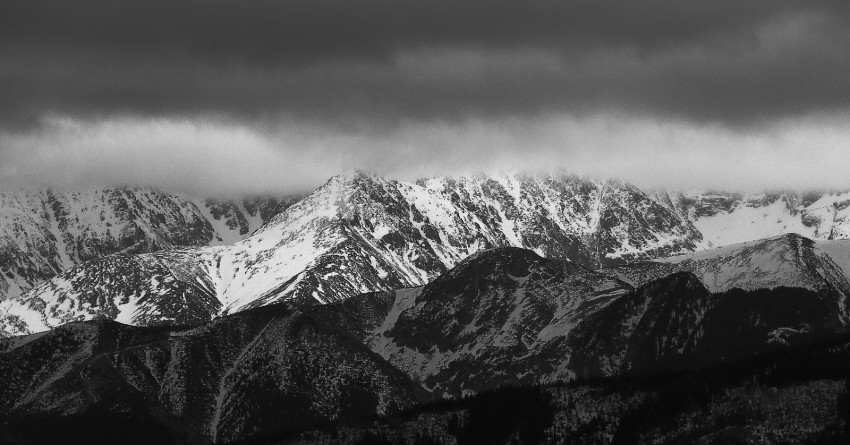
x: 782, y: 288
x: 787, y: 260
x: 798, y: 395
x: 43, y: 233
x: 361, y: 233
x: 149, y: 289
x: 656, y: 320
x: 563, y: 216
x: 501, y: 317
x: 260, y: 371
x: 507, y: 316
x: 675, y: 323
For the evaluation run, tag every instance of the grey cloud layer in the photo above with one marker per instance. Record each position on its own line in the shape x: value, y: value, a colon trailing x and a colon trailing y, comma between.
x: 377, y: 62
x: 268, y: 31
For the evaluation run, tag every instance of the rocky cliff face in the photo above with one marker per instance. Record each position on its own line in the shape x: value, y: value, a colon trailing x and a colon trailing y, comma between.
x: 146, y: 289
x: 361, y: 233
x: 43, y: 233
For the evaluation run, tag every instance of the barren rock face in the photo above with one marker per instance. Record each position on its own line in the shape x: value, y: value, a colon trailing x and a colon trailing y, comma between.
x: 357, y: 233
x: 43, y: 233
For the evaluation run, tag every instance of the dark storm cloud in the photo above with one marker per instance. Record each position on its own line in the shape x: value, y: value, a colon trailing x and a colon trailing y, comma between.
x: 377, y: 62
x: 268, y: 31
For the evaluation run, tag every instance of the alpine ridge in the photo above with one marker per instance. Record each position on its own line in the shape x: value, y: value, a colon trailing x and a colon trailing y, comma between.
x: 360, y: 233
x: 501, y: 317
x: 725, y: 218
x: 274, y: 369
x: 507, y: 317
x: 787, y: 260
x: 43, y: 233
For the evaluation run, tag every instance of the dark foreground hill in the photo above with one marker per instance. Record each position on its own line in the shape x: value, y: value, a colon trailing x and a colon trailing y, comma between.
x: 502, y: 318
x: 278, y: 369
x: 795, y: 395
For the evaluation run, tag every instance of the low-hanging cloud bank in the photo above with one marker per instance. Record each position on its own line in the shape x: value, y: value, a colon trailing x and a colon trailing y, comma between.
x: 224, y: 96
x: 211, y: 157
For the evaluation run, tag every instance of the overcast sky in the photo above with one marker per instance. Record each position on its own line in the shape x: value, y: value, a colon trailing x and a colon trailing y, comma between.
x: 212, y: 96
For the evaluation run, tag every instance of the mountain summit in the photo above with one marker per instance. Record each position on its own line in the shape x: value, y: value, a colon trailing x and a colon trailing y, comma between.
x: 359, y: 233
x: 362, y: 233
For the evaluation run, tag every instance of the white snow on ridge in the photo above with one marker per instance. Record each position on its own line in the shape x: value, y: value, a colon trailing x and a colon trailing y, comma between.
x: 727, y: 218
x: 373, y: 231
x: 45, y: 232
x: 783, y: 260
x: 751, y: 223
x: 716, y: 252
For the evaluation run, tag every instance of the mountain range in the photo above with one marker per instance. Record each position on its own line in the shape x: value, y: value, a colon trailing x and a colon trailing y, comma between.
x: 357, y: 233
x: 45, y: 232
x: 212, y: 321
x: 501, y: 317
